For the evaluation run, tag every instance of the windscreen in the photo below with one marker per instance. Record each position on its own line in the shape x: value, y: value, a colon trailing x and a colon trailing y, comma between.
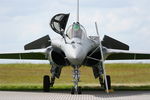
x: 76, y: 31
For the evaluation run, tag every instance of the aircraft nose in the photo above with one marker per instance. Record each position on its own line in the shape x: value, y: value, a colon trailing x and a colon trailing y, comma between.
x: 76, y: 55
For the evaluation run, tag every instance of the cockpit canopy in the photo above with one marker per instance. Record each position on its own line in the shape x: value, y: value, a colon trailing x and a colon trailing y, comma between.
x: 76, y: 31
x: 58, y: 23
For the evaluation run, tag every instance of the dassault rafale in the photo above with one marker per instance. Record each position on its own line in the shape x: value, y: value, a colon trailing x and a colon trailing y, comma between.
x: 74, y: 48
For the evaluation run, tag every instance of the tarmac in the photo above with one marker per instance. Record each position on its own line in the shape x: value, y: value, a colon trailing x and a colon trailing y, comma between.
x: 65, y: 95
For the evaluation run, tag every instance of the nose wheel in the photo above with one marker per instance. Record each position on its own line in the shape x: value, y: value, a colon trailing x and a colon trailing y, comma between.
x: 76, y: 78
x: 73, y: 90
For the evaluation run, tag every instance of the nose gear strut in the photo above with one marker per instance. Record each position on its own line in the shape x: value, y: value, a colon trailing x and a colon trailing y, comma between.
x: 76, y: 78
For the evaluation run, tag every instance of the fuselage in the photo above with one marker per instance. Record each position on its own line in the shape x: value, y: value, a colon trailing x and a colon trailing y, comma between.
x: 77, y: 44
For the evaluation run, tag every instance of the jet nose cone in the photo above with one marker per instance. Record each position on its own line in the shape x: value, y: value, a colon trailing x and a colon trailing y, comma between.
x: 76, y: 56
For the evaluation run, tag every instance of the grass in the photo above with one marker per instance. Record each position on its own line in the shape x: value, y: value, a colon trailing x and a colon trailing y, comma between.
x: 29, y: 77
x: 68, y: 87
x: 129, y: 73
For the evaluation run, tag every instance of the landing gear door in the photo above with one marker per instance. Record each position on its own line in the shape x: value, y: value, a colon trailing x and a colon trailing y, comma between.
x: 58, y: 23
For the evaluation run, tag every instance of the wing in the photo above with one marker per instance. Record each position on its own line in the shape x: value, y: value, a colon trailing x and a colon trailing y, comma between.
x: 25, y: 55
x: 110, y: 43
x: 126, y: 55
x: 41, y: 43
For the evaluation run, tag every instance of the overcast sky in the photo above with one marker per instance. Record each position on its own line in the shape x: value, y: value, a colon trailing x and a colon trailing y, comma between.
x: 22, y: 21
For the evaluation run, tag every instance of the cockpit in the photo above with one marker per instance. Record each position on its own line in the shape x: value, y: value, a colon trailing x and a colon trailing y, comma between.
x: 76, y: 31
x: 58, y: 24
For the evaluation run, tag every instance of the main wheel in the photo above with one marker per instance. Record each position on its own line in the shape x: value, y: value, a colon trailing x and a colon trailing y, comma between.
x: 46, y: 83
x: 79, y: 90
x: 108, y: 82
x: 72, y: 90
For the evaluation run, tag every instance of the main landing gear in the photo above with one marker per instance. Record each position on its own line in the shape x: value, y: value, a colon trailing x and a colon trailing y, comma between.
x: 108, y: 82
x: 47, y: 83
x: 103, y: 84
x: 76, y: 78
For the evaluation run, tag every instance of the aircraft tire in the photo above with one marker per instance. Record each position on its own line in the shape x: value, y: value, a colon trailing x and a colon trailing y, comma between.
x: 72, y: 90
x: 79, y: 90
x: 46, y: 83
x: 108, y: 82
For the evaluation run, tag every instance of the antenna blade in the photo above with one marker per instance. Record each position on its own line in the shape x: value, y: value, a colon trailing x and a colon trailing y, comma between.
x: 77, y: 10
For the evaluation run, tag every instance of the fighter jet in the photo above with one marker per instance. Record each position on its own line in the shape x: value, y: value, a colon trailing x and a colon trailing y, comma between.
x: 74, y: 48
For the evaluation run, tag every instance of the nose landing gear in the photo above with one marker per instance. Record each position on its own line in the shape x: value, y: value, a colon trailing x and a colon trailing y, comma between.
x: 76, y: 78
